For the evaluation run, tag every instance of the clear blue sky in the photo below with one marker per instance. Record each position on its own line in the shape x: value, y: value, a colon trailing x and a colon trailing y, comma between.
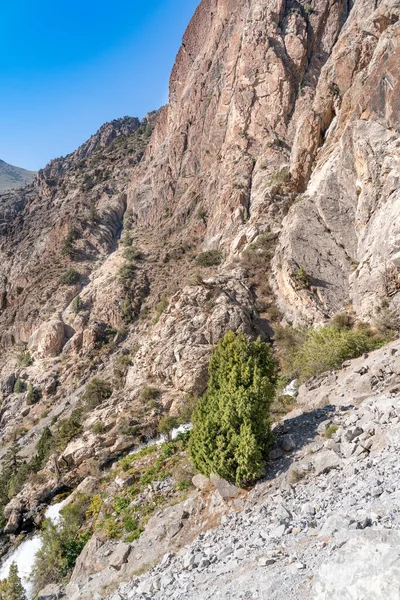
x: 68, y: 66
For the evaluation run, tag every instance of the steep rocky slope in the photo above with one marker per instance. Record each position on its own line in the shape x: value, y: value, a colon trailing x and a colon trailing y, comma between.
x: 265, y: 191
x: 13, y: 177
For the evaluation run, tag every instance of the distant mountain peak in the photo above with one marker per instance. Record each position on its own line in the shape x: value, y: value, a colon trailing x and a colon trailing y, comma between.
x: 13, y: 177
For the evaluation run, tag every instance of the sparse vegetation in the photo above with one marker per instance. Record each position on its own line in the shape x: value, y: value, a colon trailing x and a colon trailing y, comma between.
x: 126, y: 274
x: 150, y: 393
x: 231, y: 427
x: 19, y: 386
x: 68, y: 246
x: 70, y: 277
x: 33, y: 395
x: 77, y: 305
x: 330, y: 431
x: 130, y: 254
x: 25, y: 358
x: 61, y: 544
x: 306, y: 353
x: 95, y: 393
x: 166, y: 425
x: 210, y: 258
x: 302, y: 279
x: 160, y: 308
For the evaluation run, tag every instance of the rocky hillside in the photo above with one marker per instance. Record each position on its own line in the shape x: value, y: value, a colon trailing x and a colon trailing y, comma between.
x: 262, y: 197
x: 13, y: 177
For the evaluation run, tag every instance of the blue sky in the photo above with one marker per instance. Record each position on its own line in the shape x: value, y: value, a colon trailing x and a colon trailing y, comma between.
x: 66, y: 67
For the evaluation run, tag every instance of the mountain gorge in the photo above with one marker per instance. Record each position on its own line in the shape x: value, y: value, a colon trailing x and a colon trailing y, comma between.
x: 264, y: 197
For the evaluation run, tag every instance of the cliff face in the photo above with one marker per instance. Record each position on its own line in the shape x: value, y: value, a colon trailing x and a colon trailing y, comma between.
x: 278, y: 154
x: 276, y: 108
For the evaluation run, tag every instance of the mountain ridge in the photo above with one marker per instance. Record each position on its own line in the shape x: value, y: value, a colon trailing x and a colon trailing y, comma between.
x: 12, y: 177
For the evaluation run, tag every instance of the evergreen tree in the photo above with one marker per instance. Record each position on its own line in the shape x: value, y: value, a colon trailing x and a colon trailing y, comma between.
x: 231, y: 428
x: 14, y: 589
x: 3, y: 589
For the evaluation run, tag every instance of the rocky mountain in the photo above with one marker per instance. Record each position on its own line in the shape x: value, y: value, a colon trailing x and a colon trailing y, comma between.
x: 262, y: 198
x: 13, y: 177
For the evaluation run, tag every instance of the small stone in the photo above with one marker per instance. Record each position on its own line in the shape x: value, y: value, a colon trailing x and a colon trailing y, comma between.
x: 288, y: 444
x: 265, y: 562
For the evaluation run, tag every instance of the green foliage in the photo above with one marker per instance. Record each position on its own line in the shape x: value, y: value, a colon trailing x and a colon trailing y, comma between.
x: 330, y: 431
x: 121, y: 367
x: 77, y: 305
x: 98, y: 428
x: 68, y: 246
x: 25, y: 358
x: 70, y: 277
x: 166, y: 425
x: 44, y: 448
x: 127, y: 312
x: 210, y: 258
x: 308, y: 9
x: 61, y: 544
x: 328, y: 347
x: 150, y: 393
x: 13, y: 588
x: 126, y: 274
x: 19, y: 386
x: 160, y: 308
x: 33, y: 395
x: 96, y: 392
x: 130, y: 254
x: 279, y: 178
x: 127, y: 240
x: 231, y: 427
x: 302, y: 279
x: 68, y: 429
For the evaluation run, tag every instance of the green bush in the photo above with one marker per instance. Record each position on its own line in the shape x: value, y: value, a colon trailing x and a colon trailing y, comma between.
x: 126, y: 274
x: 19, y: 386
x: 210, y: 258
x: 68, y: 429
x: 160, y: 308
x: 25, y: 358
x: 70, y: 277
x: 77, y: 305
x: 231, y: 427
x: 166, y: 425
x: 302, y: 279
x: 96, y: 392
x: 150, y: 393
x: 130, y: 254
x: 12, y: 588
x: 33, y: 395
x: 327, y: 348
x: 98, y: 428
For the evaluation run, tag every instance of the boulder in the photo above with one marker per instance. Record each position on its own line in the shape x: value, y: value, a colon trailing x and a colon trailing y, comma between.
x: 51, y: 592
x: 367, y: 567
x: 325, y: 461
x: 48, y: 340
x: 119, y: 556
x: 201, y: 482
x: 224, y: 488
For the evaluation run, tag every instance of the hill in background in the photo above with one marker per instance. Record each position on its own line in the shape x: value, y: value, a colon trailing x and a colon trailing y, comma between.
x: 13, y: 177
